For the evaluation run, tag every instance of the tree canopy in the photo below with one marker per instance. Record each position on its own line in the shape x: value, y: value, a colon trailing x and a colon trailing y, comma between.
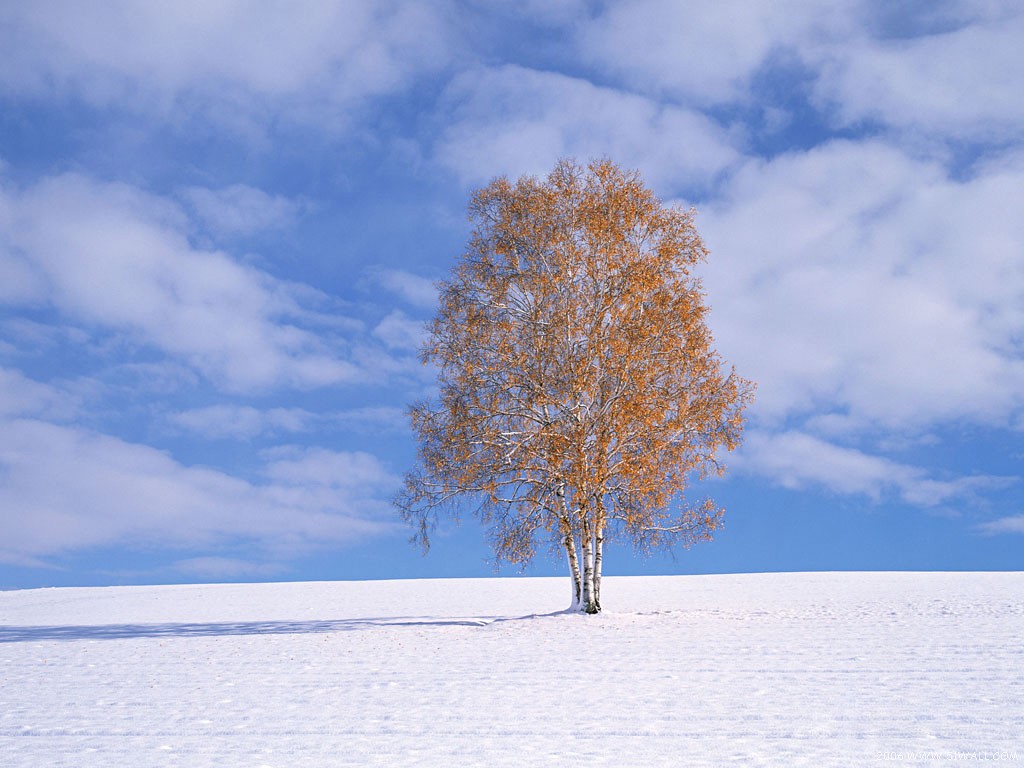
x: 579, y: 392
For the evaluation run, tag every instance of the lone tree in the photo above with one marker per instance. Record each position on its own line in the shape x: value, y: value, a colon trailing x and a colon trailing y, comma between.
x: 578, y: 387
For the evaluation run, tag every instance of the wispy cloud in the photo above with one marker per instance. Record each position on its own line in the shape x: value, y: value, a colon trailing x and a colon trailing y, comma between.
x: 240, y: 210
x: 1010, y: 524
x: 231, y: 568
x: 69, y: 489
x: 514, y: 121
x: 399, y: 331
x: 798, y: 461
x: 21, y: 396
x: 663, y: 47
x: 962, y: 83
x: 231, y: 421
x: 227, y: 62
x: 240, y: 421
x: 119, y: 258
x: 419, y: 291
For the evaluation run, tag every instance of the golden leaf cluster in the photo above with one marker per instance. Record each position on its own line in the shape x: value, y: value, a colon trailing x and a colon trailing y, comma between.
x: 579, y: 390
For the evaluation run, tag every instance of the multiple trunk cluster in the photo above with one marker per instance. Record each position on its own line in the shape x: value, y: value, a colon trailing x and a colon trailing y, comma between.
x: 586, y: 582
x: 578, y: 388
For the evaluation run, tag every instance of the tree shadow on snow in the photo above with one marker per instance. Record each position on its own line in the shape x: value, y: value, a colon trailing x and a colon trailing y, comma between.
x: 27, y: 634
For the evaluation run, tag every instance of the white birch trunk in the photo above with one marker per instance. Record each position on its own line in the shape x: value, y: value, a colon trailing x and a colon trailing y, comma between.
x: 570, y: 550
x: 598, y: 561
x: 574, y: 571
x: 589, y: 605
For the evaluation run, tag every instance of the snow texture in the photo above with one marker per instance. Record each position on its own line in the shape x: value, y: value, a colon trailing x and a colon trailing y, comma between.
x: 813, y: 669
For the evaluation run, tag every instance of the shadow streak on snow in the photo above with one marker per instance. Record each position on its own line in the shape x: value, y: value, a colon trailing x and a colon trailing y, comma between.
x: 27, y: 634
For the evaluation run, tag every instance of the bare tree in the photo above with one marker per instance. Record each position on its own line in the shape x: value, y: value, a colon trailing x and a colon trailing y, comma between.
x: 579, y: 390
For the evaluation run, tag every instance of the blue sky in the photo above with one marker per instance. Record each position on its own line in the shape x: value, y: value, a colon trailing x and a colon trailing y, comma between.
x: 221, y: 222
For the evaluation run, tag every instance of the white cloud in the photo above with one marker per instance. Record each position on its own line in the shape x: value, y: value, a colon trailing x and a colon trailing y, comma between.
x: 304, y: 468
x: 963, y: 83
x: 68, y: 489
x: 226, y: 421
x: 796, y: 460
x: 398, y: 331
x: 18, y: 281
x: 704, y: 53
x: 225, y: 568
x: 517, y: 121
x: 548, y: 12
x: 418, y: 291
x: 117, y: 257
x: 227, y: 59
x: 240, y: 209
x: 242, y: 422
x: 948, y: 70
x: 1010, y: 524
x: 852, y: 280
x: 21, y: 396
x: 373, y: 418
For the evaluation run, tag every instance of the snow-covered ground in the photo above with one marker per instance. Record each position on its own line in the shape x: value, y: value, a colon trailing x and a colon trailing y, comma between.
x: 776, y: 669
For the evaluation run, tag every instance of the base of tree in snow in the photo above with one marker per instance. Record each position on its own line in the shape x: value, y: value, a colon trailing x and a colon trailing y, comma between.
x: 777, y: 669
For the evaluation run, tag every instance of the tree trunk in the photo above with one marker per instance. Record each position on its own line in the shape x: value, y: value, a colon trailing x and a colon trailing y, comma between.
x: 598, y: 561
x: 570, y: 548
x: 574, y: 570
x: 589, y: 604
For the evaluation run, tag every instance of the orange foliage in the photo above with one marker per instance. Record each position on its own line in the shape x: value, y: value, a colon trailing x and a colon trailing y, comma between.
x: 578, y: 387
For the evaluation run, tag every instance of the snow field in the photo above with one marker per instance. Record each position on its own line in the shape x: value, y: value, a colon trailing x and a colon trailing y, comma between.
x: 817, y: 669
